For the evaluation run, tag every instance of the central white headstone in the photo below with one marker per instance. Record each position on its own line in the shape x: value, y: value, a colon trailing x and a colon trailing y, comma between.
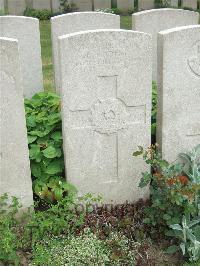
x: 74, y: 22
x: 106, y: 110
x: 15, y: 174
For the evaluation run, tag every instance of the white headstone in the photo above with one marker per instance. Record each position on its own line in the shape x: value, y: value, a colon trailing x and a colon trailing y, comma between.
x: 41, y: 4
x: 74, y: 22
x: 125, y: 5
x: 102, y: 4
x: 145, y: 4
x: 55, y: 5
x: 26, y: 31
x: 1, y: 5
x: 15, y: 174
x: 173, y: 3
x: 155, y: 20
x: 82, y: 5
x: 179, y: 90
x: 190, y: 4
x: 106, y: 110
x: 16, y: 7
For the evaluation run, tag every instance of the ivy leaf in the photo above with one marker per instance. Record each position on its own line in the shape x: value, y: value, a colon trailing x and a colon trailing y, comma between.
x: 36, y: 169
x: 50, y: 152
x: 35, y: 153
x: 55, y: 167
x: 31, y: 139
x: 56, y: 136
x: 139, y: 152
x: 172, y: 249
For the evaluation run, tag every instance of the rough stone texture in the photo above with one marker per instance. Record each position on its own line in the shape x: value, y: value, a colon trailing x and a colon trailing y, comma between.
x: 55, y: 5
x: 26, y: 31
x: 145, y: 4
x: 15, y: 174
x: 41, y: 4
x: 189, y: 3
x: 2, y: 5
x: 102, y: 4
x: 83, y: 5
x: 125, y: 5
x: 106, y: 110
x: 16, y: 7
x: 155, y: 20
x: 174, y: 3
x: 70, y: 23
x: 179, y: 90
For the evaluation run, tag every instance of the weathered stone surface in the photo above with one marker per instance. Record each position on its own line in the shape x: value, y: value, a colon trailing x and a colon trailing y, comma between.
x: 26, y: 31
x: 179, y: 90
x: 55, y: 5
x: 125, y: 5
x: 106, y: 110
x: 74, y: 22
x: 1, y: 5
x: 83, y: 5
x: 102, y: 4
x: 189, y: 3
x: 155, y: 20
x: 15, y: 175
x: 173, y: 3
x: 41, y: 4
x: 145, y: 4
x: 16, y: 7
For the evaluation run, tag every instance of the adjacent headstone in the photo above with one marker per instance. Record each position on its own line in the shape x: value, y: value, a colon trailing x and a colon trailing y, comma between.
x: 2, y: 5
x: 173, y: 3
x: 106, y: 110
x: 42, y: 4
x: 145, y: 4
x: 82, y: 5
x: 190, y: 4
x: 26, y: 31
x: 155, y: 20
x: 102, y: 4
x: 125, y: 5
x: 16, y: 7
x: 15, y: 174
x: 55, y: 5
x: 179, y: 90
x: 74, y: 22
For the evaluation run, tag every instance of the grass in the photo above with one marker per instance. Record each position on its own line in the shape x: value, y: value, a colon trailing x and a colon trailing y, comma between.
x: 47, y: 65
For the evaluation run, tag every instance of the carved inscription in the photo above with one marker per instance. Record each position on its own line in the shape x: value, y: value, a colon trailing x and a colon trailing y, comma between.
x: 107, y: 116
x: 194, y: 130
x: 194, y: 60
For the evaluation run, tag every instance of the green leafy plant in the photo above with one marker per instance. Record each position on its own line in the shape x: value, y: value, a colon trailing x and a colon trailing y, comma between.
x: 174, y: 191
x: 67, y: 7
x: 60, y: 218
x: 39, y: 14
x: 189, y: 235
x: 154, y: 109
x: 8, y: 238
x: 85, y: 249
x: 106, y: 10
x: 43, y: 121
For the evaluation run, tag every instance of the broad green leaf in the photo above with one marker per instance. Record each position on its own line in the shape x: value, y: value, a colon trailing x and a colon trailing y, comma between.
x: 55, y: 167
x: 176, y: 227
x: 172, y: 249
x: 50, y: 152
x: 31, y: 139
x: 36, y: 169
x: 56, y: 136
